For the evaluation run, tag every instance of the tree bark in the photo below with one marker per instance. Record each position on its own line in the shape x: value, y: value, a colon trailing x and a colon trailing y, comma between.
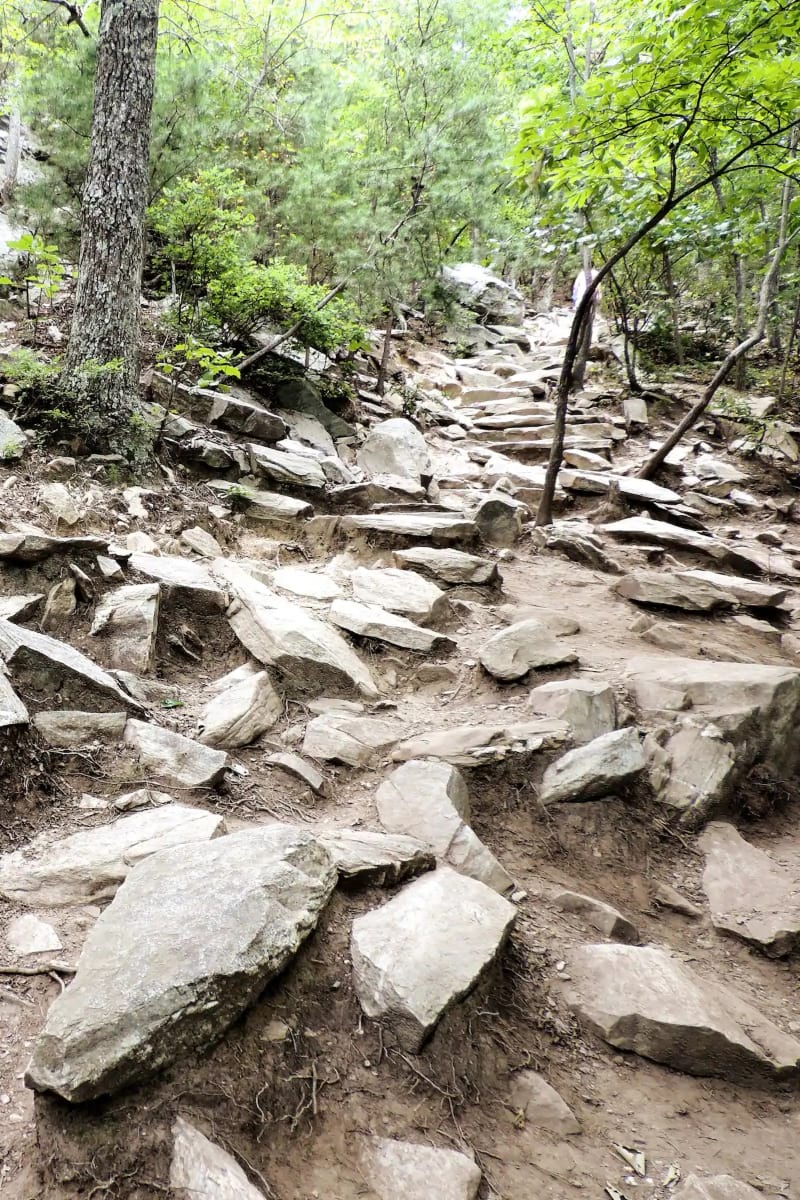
x: 674, y: 306
x: 103, y: 342
x: 383, y: 370
x: 11, y: 166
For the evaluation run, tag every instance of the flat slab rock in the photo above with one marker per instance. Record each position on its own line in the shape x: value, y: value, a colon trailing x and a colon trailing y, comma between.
x: 356, y: 740
x: 697, y: 591
x: 311, y: 656
x: 642, y: 999
x: 716, y: 1187
x: 398, y: 1170
x: 601, y: 916
x: 65, y: 727
x: 381, y: 858
x: 523, y: 647
x: 479, y: 745
x: 595, y: 769
x: 190, y: 940
x: 201, y: 1170
x: 449, y: 566
x: 178, y: 759
x: 750, y: 894
x: 368, y: 621
x: 426, y: 949
x: 430, y: 801
x: 45, y: 667
x: 12, y: 710
x: 438, y: 526
x: 36, y: 546
x: 400, y: 591
x: 90, y: 865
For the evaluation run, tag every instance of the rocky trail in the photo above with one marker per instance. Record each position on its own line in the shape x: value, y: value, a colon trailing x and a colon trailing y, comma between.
x: 360, y: 839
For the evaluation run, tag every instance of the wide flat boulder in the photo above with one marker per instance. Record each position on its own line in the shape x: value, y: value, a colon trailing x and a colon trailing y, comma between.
x: 426, y: 949
x: 481, y: 745
x: 716, y: 1187
x: 44, y: 667
x: 643, y: 999
x: 588, y: 706
x: 663, y: 589
x: 410, y: 525
x: 400, y: 591
x: 183, y: 580
x: 286, y: 466
x: 190, y: 940
x: 401, y: 1170
x: 523, y: 647
x: 395, y: 447
x: 35, y: 546
x: 448, y: 566
x: 430, y: 801
x: 751, y: 895
x: 595, y: 769
x: 379, y: 858
x: 379, y: 624
x: 90, y: 865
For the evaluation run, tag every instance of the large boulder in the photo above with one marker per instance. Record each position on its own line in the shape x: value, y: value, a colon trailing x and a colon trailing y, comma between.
x: 395, y: 447
x: 595, y: 769
x: 426, y: 949
x: 430, y: 801
x: 643, y: 999
x: 479, y: 289
x: 751, y: 895
x: 722, y: 719
x: 190, y: 940
x: 90, y: 865
x: 716, y: 1187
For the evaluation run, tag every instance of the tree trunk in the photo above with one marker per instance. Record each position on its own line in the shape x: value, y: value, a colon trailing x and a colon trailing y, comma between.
x: 101, y: 361
x: 383, y: 370
x: 674, y: 306
x: 789, y: 348
x: 11, y: 166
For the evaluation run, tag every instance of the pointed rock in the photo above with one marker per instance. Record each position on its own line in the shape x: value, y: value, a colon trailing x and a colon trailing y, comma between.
x: 601, y: 916
x: 523, y: 647
x: 596, y: 769
x: 190, y: 940
x: 751, y: 895
x: 426, y: 949
x: 401, y: 1170
x: 642, y: 999
x: 90, y: 865
x: 716, y: 1187
x: 201, y: 1170
x: 128, y: 620
x: 430, y: 801
x: 541, y: 1105
x: 29, y: 934
x: 45, y: 667
x: 175, y: 758
x: 244, y: 705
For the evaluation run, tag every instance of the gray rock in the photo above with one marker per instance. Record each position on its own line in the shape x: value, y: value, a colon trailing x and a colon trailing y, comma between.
x: 356, y: 740
x: 21, y: 608
x: 284, y: 466
x: 45, y: 667
x: 66, y: 727
x: 523, y: 647
x: 748, y: 592
x: 263, y: 506
x: 716, y: 1187
x: 183, y: 580
x: 399, y: 591
x: 480, y: 745
x: 175, y: 758
x: 663, y: 533
x: 449, y: 566
x: 440, y: 527
x: 639, y: 491
x: 190, y: 940
x: 201, y: 1170
x: 479, y: 289
x: 127, y: 618
x: 751, y: 895
x: 310, y: 655
x: 378, y: 858
x: 34, y: 546
x: 29, y: 934
x: 666, y: 590
x: 426, y: 949
x: 300, y: 396
x: 294, y: 765
x: 90, y: 865
x: 244, y: 705
x: 368, y: 621
x: 430, y: 801
x: 601, y: 916
x: 58, y: 501
x: 588, y: 706
x: 60, y: 605
x: 541, y: 1105
x: 401, y: 1170
x: 245, y: 417
x: 200, y: 542
x: 12, y: 710
x: 596, y: 769
x: 499, y: 520
x: 642, y: 999
x: 12, y: 440
x: 395, y: 447
x: 312, y: 584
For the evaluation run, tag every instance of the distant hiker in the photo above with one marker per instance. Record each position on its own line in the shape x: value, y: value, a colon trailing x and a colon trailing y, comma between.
x: 579, y: 287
